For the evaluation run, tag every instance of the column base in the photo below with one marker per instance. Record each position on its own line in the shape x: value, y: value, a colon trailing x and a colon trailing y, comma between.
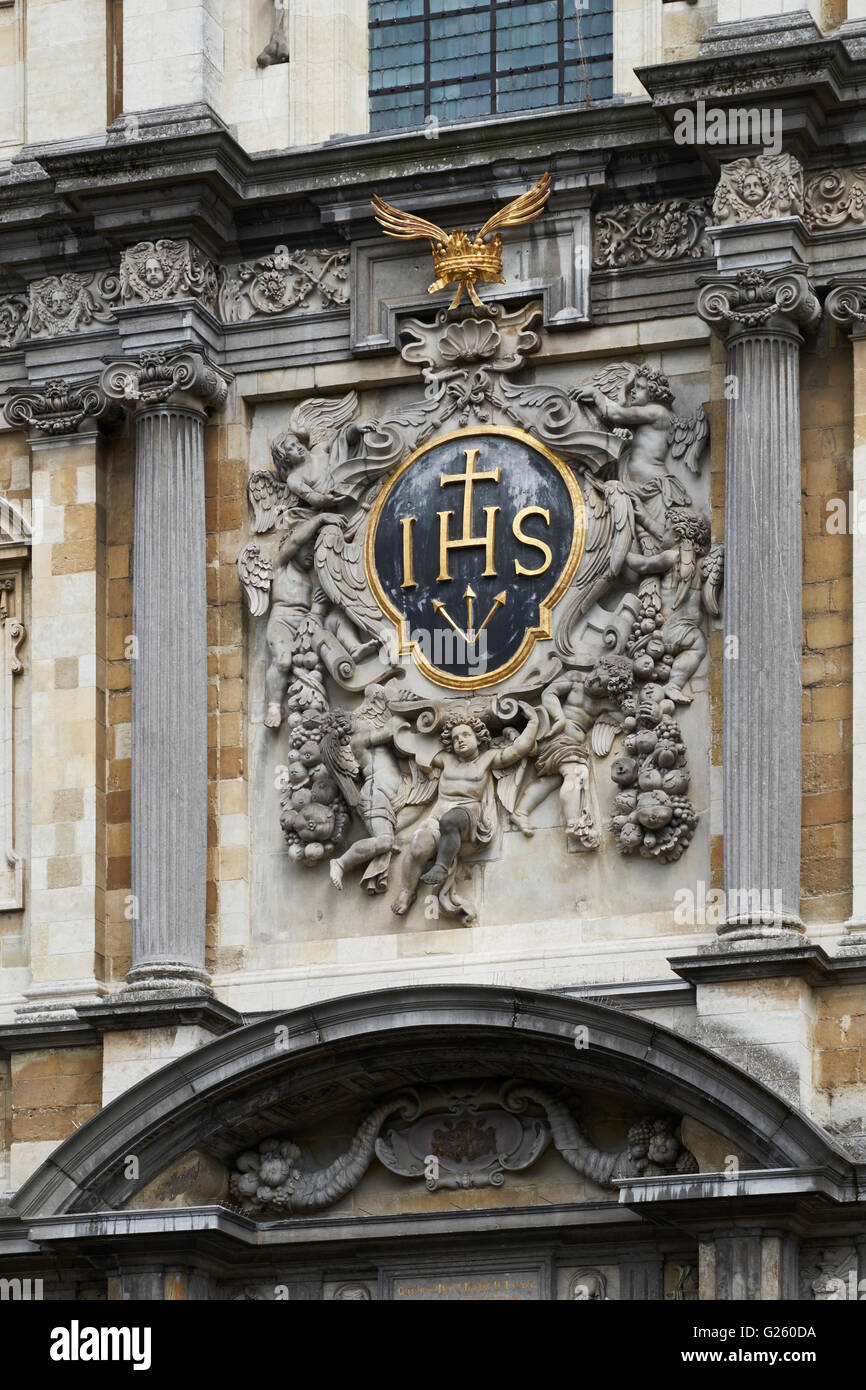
x: 787, y: 930
x: 163, y: 978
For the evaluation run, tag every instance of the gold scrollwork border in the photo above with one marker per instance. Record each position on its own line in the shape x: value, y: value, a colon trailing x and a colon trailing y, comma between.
x: 545, y: 606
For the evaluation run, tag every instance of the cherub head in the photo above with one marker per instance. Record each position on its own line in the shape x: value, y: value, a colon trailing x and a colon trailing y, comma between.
x: 464, y: 735
x: 754, y: 187
x: 687, y: 525
x: 649, y: 385
x: 288, y: 452
x: 153, y: 273
x: 612, y: 676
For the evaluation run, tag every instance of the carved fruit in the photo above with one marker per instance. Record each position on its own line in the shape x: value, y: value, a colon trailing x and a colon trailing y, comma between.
x: 630, y: 836
x: 644, y: 666
x: 648, y: 625
x: 625, y: 801
x: 654, y: 809
x: 623, y: 771
x: 655, y: 648
x: 314, y: 852
x: 666, y: 755
x: 676, y: 781
x: 629, y: 723
x: 629, y: 743
x: 649, y: 779
x: 646, y: 740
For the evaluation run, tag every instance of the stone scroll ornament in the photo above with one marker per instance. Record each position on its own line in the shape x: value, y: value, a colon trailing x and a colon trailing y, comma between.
x: 634, y: 234
x: 468, y: 601
x: 471, y: 1137
x: 284, y: 282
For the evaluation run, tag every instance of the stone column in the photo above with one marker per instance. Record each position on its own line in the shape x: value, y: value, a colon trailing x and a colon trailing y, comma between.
x: 67, y: 654
x: 758, y: 312
x: 846, y: 303
x: 169, y: 667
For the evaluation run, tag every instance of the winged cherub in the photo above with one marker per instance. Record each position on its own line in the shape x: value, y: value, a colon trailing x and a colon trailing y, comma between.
x: 464, y: 813
x: 303, y: 478
x: 580, y: 708
x: 639, y: 399
x: 368, y: 773
x: 696, y: 568
x: 457, y: 258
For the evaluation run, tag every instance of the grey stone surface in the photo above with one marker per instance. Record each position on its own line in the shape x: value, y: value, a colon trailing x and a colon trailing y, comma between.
x: 762, y: 712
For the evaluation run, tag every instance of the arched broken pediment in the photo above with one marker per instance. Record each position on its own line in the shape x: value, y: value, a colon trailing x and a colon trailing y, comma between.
x: 291, y: 1074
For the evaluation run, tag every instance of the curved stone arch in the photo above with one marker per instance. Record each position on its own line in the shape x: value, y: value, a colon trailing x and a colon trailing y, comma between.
x: 315, y: 1058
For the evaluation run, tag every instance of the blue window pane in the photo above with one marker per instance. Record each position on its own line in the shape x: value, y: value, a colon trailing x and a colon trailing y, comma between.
x: 434, y: 57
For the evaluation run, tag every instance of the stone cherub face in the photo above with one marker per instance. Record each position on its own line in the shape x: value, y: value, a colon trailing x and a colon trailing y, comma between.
x: 154, y: 275
x: 465, y: 737
x: 754, y: 188
x: 464, y: 742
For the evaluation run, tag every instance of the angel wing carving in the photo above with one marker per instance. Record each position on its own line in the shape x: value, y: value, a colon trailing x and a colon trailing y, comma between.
x: 317, y: 420
x: 610, y: 534
x: 713, y: 573
x: 267, y: 497
x: 256, y: 575
x: 340, y: 570
x: 687, y: 438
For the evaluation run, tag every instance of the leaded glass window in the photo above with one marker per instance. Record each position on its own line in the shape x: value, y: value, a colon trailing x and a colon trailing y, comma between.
x: 459, y: 59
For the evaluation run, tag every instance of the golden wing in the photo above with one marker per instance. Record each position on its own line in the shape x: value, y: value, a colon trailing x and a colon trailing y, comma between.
x: 521, y: 210
x: 405, y: 225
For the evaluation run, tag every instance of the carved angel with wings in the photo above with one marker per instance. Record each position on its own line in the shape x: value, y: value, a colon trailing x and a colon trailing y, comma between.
x: 637, y: 401
x: 457, y: 258
x: 315, y: 585
x: 580, y: 715
x: 303, y: 463
x: 695, y: 571
x: 372, y: 780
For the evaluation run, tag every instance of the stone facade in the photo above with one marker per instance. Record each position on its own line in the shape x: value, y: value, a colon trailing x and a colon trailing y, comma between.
x: 358, y: 940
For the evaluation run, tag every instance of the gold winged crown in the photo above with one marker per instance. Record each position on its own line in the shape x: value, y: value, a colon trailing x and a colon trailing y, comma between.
x: 456, y: 258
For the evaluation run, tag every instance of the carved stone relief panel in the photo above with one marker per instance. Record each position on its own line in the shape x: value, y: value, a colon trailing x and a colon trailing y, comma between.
x: 476, y: 610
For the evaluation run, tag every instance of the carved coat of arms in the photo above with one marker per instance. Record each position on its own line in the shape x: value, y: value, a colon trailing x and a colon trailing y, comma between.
x: 468, y: 601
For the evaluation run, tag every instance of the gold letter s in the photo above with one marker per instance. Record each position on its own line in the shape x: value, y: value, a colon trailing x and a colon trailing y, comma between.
x: 520, y: 535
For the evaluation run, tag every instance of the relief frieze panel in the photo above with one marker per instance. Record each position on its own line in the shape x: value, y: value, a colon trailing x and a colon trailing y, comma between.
x: 469, y: 603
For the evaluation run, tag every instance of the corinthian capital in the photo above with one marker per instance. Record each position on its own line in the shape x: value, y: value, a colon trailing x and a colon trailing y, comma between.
x: 153, y: 377
x: 775, y: 298
x: 58, y: 406
x: 846, y: 303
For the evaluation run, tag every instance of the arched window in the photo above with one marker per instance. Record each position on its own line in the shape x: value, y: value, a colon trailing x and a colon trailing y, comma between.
x: 462, y: 59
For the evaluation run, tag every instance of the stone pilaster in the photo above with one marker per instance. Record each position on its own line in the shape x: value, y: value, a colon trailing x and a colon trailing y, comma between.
x: 67, y: 656
x: 758, y: 312
x: 747, y: 1265
x: 846, y: 303
x: 169, y: 668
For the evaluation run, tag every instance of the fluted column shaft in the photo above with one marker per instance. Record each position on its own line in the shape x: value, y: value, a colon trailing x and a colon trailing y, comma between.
x: 169, y: 699
x: 762, y: 682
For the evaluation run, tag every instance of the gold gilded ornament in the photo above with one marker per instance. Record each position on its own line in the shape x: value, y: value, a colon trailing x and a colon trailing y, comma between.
x: 456, y: 258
